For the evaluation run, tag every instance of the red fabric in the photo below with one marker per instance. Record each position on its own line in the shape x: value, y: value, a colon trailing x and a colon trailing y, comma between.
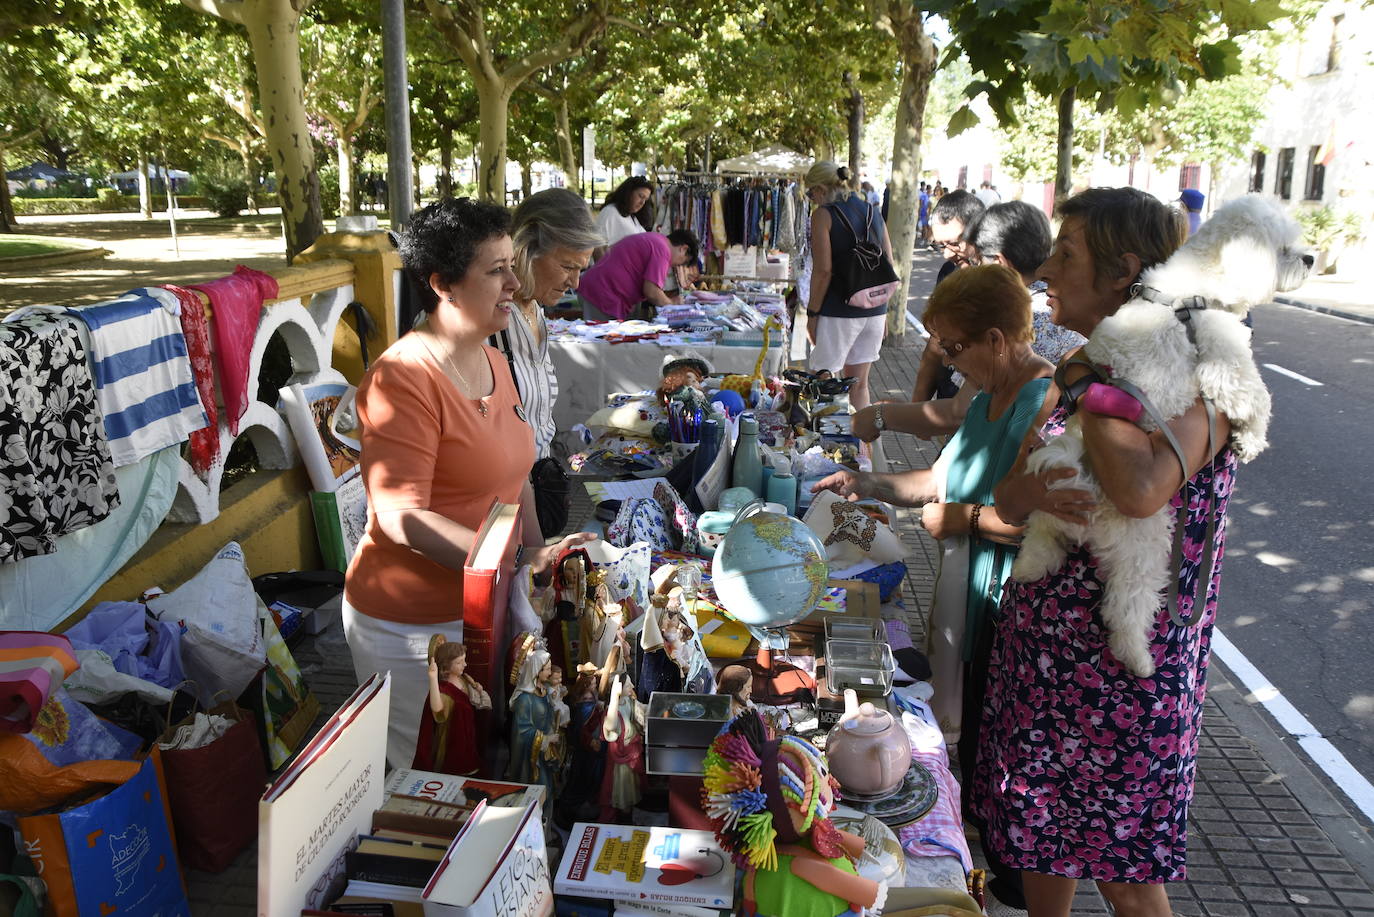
x: 236, y: 305
x: 459, y: 738
x: 204, y: 443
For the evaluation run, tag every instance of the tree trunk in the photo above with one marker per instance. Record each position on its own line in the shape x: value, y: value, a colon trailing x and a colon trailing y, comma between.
x: 1063, y: 163
x: 347, y: 205
x: 563, y: 131
x: 145, y: 188
x: 824, y: 148
x: 445, y: 163
x: 250, y: 171
x: 856, y: 124
x: 918, y: 65
x: 415, y: 179
x: 493, y: 103
x: 526, y: 179
x: 8, y: 223
x: 273, y: 33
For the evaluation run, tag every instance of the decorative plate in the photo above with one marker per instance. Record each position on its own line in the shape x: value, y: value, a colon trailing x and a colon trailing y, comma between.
x: 913, y: 799
x: 688, y: 710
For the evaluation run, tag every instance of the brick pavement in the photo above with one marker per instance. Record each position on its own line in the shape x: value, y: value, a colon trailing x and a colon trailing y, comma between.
x: 1267, y: 836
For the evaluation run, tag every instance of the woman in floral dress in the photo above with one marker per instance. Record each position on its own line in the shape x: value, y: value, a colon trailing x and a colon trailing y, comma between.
x: 1085, y: 770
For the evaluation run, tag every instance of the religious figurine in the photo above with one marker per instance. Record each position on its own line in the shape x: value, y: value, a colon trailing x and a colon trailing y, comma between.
x: 738, y: 682
x: 769, y: 800
x: 536, y: 748
x: 557, y: 692
x: 447, y: 741
x: 603, y: 623
x: 622, y: 729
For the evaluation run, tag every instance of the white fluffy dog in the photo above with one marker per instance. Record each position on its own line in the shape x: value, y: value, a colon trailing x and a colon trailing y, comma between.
x: 1236, y: 260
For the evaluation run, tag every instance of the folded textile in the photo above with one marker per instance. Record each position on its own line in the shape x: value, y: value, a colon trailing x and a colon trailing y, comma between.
x: 205, y: 441
x: 143, y: 379
x: 33, y: 665
x: 235, y: 308
x: 55, y: 466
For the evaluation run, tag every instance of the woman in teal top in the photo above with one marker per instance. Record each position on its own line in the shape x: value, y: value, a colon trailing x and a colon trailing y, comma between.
x: 980, y: 322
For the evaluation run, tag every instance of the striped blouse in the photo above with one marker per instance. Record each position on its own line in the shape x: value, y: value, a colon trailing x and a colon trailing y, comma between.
x: 532, y: 367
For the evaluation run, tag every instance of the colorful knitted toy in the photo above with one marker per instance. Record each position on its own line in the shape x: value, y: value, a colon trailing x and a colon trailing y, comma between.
x: 769, y: 800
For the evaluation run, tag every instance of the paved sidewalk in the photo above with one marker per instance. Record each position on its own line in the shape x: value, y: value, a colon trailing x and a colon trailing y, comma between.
x: 1347, y: 296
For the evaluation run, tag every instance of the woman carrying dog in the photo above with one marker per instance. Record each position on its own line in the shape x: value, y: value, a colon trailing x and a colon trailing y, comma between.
x: 1085, y: 771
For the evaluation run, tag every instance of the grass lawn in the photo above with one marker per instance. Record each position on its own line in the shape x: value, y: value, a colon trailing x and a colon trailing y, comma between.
x: 18, y: 246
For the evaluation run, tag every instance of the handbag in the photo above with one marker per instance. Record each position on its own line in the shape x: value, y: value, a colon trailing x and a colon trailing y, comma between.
x: 866, y: 279
x: 552, y: 495
x: 213, y: 790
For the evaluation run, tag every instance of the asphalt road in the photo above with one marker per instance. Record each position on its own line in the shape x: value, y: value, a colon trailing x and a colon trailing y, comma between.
x: 1298, y: 583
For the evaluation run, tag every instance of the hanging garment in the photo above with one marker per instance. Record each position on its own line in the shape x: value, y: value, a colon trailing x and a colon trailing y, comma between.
x: 205, y: 441
x: 236, y: 305
x: 143, y: 380
x: 718, y: 236
x: 55, y: 470
x: 787, y: 230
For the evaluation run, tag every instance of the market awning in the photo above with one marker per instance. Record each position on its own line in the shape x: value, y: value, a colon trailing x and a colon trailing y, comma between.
x: 776, y: 159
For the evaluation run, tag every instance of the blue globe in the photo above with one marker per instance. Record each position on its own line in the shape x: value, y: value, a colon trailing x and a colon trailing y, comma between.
x: 770, y: 571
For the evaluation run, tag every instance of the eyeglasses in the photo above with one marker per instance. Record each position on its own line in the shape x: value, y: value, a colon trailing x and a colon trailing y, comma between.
x: 950, y: 350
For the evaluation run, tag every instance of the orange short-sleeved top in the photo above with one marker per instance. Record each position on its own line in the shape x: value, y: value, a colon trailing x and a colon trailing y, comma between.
x: 425, y: 446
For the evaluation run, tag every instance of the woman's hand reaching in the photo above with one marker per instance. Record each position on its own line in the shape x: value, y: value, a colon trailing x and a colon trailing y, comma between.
x: 852, y: 485
x: 541, y: 559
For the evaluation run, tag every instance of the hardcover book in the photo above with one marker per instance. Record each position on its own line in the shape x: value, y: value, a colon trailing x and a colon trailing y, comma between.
x: 319, y: 805
x: 653, y: 865
x: 497, y: 866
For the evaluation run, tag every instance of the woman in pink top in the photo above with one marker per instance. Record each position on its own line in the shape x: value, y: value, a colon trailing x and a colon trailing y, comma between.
x: 443, y: 434
x: 634, y: 271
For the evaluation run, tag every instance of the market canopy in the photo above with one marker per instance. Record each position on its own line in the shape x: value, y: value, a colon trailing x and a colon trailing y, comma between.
x: 40, y: 171
x: 777, y: 159
x: 153, y: 172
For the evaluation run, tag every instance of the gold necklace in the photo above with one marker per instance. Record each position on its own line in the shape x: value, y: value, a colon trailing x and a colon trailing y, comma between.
x: 482, y: 407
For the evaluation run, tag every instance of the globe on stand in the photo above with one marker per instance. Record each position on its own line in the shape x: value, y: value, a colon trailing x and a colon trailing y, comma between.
x: 769, y: 572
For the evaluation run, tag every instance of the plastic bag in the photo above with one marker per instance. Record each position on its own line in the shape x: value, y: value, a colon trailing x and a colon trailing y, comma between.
x: 222, y: 647
x: 137, y: 645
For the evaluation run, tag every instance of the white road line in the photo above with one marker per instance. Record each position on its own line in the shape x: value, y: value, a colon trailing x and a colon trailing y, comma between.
x: 1319, y: 749
x: 1290, y: 374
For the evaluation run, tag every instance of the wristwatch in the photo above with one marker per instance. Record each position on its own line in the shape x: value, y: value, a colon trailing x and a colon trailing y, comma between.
x: 878, y: 423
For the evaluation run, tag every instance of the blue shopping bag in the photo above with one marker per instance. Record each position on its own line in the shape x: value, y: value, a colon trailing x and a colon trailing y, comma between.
x: 112, y: 856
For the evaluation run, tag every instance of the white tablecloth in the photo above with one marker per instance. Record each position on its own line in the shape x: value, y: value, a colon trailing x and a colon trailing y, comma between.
x: 588, y: 371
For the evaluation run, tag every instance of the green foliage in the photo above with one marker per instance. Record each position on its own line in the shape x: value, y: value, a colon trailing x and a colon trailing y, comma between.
x: 329, y: 190
x: 109, y: 198
x: 1324, y: 227
x: 227, y: 197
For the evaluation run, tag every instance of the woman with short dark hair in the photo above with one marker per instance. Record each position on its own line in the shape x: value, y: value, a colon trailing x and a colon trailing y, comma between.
x: 443, y: 434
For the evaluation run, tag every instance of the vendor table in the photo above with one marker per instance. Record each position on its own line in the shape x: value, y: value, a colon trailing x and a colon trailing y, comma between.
x: 588, y: 371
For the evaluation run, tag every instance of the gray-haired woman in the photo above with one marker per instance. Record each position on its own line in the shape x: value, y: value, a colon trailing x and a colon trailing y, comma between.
x: 553, y: 235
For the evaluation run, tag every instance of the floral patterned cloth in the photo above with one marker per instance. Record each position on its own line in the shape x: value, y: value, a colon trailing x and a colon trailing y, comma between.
x: 1085, y: 770
x: 1051, y: 341
x: 56, y: 474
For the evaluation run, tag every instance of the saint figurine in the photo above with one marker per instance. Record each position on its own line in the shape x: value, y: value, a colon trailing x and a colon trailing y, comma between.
x: 447, y: 741
x: 622, y: 729
x: 535, y: 744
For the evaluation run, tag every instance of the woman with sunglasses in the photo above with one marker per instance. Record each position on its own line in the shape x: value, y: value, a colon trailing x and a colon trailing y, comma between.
x: 980, y: 321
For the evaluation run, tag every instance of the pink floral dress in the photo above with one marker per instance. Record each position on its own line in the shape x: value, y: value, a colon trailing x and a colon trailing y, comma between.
x: 1085, y: 770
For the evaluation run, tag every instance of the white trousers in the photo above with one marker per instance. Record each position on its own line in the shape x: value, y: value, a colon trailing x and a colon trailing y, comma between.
x: 403, y: 649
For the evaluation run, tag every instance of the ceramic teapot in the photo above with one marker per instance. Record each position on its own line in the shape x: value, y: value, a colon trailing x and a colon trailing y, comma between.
x: 868, y: 750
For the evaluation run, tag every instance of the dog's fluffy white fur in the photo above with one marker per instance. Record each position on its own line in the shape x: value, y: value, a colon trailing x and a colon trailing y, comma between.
x: 1238, y: 259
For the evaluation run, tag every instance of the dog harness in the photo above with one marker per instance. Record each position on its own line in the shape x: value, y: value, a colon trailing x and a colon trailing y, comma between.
x: 1184, y: 307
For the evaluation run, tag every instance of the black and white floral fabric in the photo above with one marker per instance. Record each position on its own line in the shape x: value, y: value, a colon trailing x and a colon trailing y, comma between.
x: 56, y: 475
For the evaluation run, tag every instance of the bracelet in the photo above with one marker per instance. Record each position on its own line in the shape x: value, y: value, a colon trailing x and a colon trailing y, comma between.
x: 973, y: 520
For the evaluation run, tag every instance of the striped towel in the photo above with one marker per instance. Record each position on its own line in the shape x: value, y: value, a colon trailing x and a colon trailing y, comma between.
x: 143, y: 378
x: 33, y: 666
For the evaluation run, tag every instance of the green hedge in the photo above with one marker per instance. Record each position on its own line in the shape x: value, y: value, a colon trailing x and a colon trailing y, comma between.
x: 124, y: 203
